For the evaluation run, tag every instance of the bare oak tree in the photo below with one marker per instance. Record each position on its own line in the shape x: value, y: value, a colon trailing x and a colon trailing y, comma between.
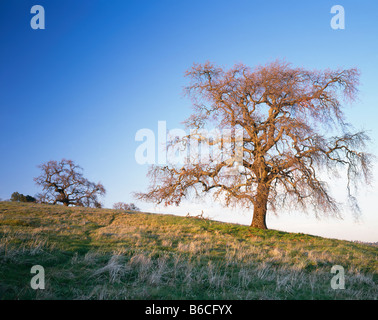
x: 125, y: 206
x: 63, y: 182
x: 293, y: 129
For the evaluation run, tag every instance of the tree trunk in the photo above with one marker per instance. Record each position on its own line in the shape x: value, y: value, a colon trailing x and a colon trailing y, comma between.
x: 260, y: 207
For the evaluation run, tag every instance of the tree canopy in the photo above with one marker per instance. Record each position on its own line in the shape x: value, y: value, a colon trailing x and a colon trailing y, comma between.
x: 63, y: 182
x: 293, y: 128
x: 19, y: 197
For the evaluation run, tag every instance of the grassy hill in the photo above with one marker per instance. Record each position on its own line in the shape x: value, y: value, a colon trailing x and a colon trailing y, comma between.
x: 112, y: 254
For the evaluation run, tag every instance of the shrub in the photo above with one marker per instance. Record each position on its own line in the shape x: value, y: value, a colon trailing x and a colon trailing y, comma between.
x: 19, y: 197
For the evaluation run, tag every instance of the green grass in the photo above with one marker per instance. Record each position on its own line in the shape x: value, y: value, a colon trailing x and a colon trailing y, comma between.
x: 112, y: 254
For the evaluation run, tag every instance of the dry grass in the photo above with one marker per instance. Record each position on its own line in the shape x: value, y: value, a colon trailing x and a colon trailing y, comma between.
x: 107, y: 254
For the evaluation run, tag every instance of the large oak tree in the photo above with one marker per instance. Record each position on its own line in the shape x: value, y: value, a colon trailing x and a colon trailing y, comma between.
x: 293, y: 129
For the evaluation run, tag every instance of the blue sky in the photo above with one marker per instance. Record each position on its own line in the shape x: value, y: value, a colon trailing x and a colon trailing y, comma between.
x: 101, y: 70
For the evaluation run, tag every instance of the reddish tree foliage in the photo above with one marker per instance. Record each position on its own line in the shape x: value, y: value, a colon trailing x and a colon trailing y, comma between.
x: 293, y: 127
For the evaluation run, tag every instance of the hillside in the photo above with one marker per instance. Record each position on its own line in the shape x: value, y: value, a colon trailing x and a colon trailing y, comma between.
x: 112, y: 254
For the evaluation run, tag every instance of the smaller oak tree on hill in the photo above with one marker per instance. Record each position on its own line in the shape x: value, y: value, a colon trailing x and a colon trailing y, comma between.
x: 64, y: 183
